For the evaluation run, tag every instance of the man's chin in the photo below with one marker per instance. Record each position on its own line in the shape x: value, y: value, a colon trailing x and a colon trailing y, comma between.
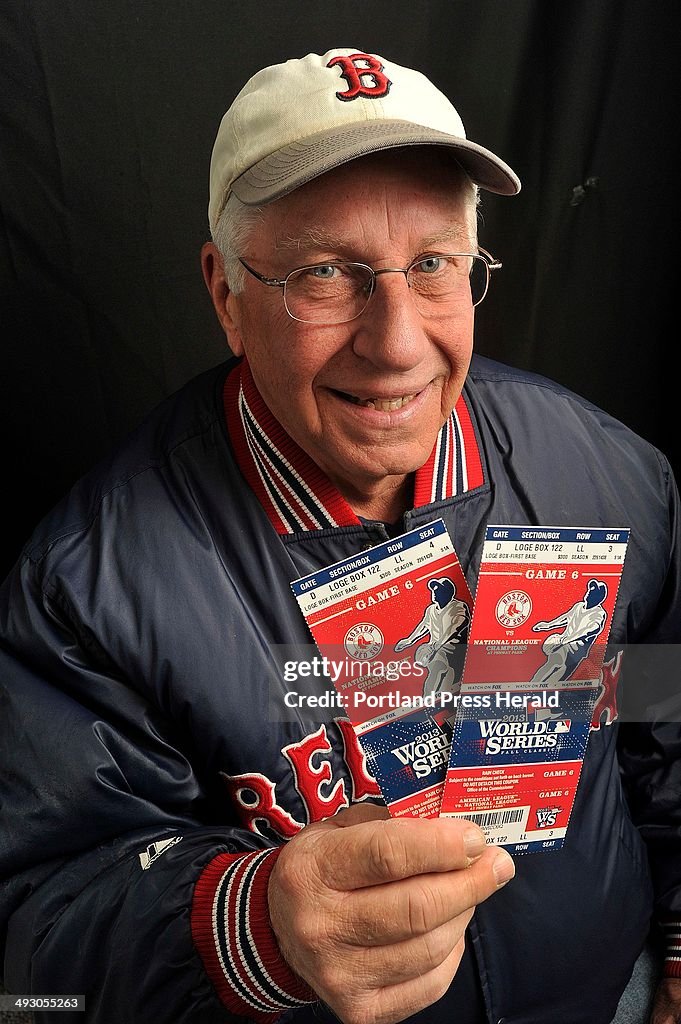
x: 373, y: 469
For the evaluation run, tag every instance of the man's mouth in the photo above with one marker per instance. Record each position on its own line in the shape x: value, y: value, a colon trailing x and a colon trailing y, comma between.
x: 381, y: 404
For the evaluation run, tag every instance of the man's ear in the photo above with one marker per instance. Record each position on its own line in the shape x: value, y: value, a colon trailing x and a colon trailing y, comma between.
x: 224, y: 302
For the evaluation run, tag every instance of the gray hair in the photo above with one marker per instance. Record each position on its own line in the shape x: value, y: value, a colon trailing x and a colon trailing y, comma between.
x: 231, y: 235
x: 237, y: 222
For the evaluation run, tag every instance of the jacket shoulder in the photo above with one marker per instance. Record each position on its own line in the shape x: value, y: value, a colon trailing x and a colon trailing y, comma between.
x: 559, y: 415
x: 489, y: 371
x: 192, y: 412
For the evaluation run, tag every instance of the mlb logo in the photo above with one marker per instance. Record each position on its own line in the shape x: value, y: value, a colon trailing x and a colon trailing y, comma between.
x: 552, y: 717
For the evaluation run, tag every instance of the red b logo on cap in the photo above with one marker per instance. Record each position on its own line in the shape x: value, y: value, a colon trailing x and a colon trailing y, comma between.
x: 354, y: 74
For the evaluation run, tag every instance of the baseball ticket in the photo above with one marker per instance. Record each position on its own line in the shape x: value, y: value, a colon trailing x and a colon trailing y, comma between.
x: 395, y: 619
x: 543, y: 609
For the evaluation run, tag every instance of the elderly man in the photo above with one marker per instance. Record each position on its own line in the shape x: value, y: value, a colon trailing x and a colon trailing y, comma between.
x: 169, y: 849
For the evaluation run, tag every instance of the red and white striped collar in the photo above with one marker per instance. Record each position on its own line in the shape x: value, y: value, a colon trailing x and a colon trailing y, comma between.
x: 297, y: 495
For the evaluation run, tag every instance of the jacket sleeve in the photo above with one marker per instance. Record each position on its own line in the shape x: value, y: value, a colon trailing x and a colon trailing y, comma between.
x: 119, y: 882
x: 650, y: 738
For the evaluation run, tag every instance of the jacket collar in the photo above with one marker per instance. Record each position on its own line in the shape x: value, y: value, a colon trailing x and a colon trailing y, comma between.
x: 297, y: 495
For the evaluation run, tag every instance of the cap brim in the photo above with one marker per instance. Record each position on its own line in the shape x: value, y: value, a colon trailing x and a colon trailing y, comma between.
x: 289, y: 168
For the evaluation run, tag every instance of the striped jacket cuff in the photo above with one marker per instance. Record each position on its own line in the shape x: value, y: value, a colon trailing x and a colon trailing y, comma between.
x: 232, y: 932
x: 672, y: 935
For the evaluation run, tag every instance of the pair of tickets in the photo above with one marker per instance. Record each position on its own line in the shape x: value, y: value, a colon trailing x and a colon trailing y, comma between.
x: 480, y: 710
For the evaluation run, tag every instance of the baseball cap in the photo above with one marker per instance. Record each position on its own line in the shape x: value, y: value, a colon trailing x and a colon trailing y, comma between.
x: 294, y: 121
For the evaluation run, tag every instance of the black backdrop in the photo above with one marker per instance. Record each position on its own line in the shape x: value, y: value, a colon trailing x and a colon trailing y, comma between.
x: 108, y: 112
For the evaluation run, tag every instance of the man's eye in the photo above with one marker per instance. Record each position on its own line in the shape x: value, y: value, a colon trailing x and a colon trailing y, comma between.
x: 430, y: 265
x: 324, y: 272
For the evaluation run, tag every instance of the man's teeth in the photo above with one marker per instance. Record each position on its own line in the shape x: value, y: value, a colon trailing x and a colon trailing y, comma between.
x: 383, y: 404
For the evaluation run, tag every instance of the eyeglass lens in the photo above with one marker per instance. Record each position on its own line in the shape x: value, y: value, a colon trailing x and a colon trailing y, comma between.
x: 337, y: 292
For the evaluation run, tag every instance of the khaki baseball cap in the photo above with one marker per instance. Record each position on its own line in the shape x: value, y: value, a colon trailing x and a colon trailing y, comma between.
x: 294, y: 121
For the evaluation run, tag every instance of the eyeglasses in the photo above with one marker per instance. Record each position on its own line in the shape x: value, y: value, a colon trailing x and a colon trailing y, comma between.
x: 339, y: 291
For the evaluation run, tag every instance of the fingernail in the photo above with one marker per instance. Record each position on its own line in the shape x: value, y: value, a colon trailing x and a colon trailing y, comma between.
x: 504, y: 868
x: 473, y: 843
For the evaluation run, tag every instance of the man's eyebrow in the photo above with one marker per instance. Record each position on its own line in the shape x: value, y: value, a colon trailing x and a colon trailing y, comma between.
x: 455, y: 236
x: 312, y: 238
x: 321, y: 238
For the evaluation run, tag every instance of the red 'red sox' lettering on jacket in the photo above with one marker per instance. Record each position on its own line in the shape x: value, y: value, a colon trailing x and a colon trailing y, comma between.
x: 254, y: 795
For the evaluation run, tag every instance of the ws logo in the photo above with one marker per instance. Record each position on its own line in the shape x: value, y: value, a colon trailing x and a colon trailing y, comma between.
x: 546, y: 816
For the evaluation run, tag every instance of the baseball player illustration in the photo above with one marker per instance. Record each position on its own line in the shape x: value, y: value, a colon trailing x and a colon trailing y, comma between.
x: 581, y: 625
x: 445, y: 622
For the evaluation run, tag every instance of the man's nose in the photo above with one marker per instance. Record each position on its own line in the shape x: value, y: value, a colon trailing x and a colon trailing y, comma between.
x: 390, y: 332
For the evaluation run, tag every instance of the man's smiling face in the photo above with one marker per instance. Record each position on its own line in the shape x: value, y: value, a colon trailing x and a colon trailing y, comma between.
x: 364, y: 399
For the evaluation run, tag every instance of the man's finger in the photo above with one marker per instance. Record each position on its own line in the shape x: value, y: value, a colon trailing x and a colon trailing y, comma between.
x: 391, y: 914
x: 374, y: 852
x: 416, y: 955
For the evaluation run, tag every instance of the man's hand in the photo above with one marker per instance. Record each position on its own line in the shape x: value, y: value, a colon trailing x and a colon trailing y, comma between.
x: 667, y: 1005
x: 372, y: 912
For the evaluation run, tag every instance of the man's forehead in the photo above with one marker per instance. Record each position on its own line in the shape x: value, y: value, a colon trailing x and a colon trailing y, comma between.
x: 425, y: 191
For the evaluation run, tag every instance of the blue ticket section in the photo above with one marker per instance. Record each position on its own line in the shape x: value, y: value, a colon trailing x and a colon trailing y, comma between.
x: 408, y: 756
x: 562, y: 535
x: 552, y: 726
